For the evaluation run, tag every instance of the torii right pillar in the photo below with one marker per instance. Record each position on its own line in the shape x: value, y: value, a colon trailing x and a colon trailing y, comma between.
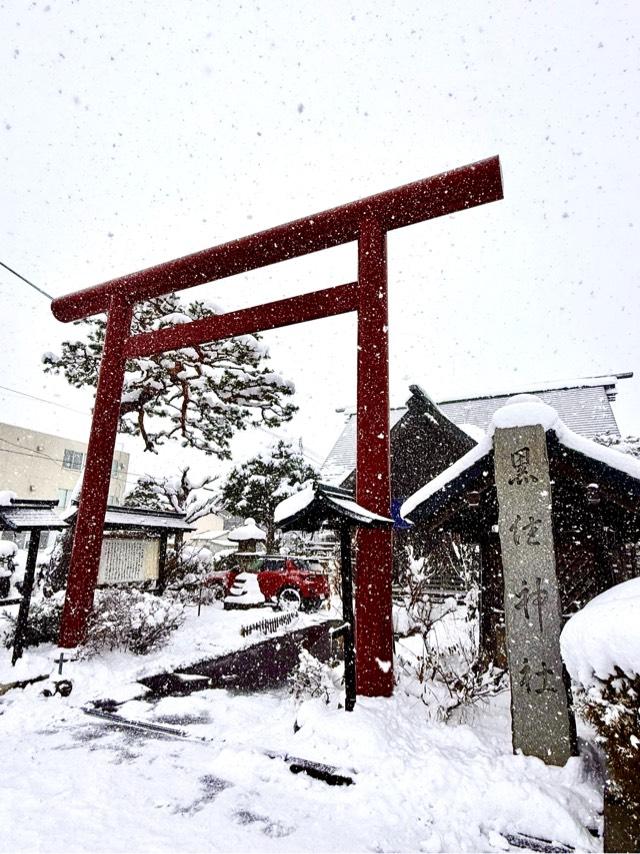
x: 374, y: 556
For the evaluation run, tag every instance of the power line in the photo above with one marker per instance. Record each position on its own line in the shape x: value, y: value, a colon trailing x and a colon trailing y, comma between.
x: 44, y: 400
x: 31, y: 285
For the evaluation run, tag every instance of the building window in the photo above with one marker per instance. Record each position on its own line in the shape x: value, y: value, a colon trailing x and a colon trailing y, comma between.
x: 72, y: 460
x: 63, y: 497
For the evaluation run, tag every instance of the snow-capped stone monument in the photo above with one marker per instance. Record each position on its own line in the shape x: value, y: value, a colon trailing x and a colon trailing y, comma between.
x: 542, y: 722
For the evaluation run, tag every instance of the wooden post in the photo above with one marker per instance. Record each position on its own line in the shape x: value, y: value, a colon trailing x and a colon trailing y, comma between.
x: 162, y: 564
x: 87, y: 541
x: 347, y: 615
x: 27, y: 590
x: 491, y: 606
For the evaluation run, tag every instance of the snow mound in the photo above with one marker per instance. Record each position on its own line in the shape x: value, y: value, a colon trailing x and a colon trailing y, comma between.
x: 523, y: 410
x: 245, y: 590
x: 6, y: 497
x: 604, y: 635
x: 7, y: 549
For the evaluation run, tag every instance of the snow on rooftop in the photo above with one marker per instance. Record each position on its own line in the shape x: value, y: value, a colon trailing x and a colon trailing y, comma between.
x: 604, y: 635
x: 294, y: 503
x: 584, y: 405
x: 473, y: 431
x: 521, y: 411
x: 546, y: 385
x: 358, y: 509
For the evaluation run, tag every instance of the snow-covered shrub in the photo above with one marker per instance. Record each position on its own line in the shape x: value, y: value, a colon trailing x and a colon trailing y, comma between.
x: 437, y: 655
x: 123, y: 618
x: 612, y: 706
x: 186, y: 570
x: 130, y: 620
x: 313, y: 679
x: 601, y: 649
x: 43, y: 625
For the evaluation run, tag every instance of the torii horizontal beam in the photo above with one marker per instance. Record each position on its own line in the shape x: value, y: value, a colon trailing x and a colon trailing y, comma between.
x: 272, y: 315
x: 459, y: 189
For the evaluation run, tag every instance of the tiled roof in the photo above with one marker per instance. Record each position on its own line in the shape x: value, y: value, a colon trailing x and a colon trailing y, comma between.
x: 584, y: 408
x: 342, y: 457
x: 26, y: 515
x: 139, y: 517
x: 587, y: 411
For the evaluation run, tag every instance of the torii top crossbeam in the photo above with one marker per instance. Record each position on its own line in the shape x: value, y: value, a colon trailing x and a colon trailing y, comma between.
x: 439, y: 195
x: 367, y: 222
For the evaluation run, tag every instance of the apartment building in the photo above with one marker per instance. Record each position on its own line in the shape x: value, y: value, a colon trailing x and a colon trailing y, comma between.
x: 40, y: 465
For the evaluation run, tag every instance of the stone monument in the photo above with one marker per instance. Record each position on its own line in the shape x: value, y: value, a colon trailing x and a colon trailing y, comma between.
x: 542, y: 721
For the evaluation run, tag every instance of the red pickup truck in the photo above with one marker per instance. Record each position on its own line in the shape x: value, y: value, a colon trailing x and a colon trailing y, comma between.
x: 291, y: 582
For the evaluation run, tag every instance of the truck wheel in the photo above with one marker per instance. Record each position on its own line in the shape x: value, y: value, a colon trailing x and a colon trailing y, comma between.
x: 289, y: 599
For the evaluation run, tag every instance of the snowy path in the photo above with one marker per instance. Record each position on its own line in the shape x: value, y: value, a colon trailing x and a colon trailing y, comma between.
x: 71, y: 783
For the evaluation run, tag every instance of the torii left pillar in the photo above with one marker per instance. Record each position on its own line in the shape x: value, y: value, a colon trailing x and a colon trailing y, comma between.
x: 87, y: 539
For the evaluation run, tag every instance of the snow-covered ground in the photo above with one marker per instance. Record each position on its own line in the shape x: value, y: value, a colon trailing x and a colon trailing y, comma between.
x: 73, y: 783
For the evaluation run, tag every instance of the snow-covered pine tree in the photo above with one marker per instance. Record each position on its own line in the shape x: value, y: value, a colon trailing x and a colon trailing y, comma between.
x: 257, y: 487
x: 199, y: 395
x: 184, y: 493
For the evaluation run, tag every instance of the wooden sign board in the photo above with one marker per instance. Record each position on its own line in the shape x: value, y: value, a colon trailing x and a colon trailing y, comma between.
x: 126, y: 560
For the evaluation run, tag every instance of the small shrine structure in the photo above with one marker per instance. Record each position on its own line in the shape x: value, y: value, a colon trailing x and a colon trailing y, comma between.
x: 134, y: 548
x: 552, y: 513
x: 323, y: 506
x: 35, y: 516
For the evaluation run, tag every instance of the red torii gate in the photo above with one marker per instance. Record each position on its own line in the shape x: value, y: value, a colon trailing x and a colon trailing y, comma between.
x: 366, y: 221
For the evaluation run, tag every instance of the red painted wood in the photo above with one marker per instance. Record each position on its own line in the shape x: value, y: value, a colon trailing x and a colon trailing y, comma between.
x: 272, y: 315
x: 374, y: 631
x: 466, y: 187
x: 87, y: 543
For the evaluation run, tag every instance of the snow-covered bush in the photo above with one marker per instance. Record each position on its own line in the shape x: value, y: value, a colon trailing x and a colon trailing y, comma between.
x: 53, y: 577
x: 312, y: 679
x: 437, y: 654
x: 124, y: 618
x: 43, y: 625
x: 186, y: 570
x: 601, y: 649
x: 612, y: 706
x: 8, y: 554
x: 130, y: 620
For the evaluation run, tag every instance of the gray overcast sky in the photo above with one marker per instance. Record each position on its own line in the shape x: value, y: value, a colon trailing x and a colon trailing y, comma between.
x: 135, y: 132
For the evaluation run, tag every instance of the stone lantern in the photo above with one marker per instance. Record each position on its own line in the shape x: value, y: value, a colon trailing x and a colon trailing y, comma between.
x: 247, y: 536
